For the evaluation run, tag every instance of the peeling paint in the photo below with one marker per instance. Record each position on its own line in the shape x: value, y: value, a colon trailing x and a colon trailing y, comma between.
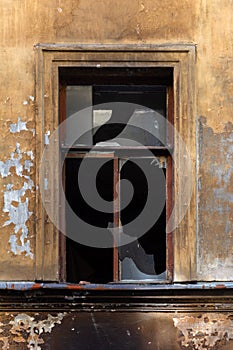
x: 14, y: 205
x: 27, y: 165
x: 18, y: 215
x: 30, y: 154
x: 28, y: 330
x: 138, y: 29
x: 14, y: 161
x: 5, y: 345
x: 19, y: 126
x: 30, y: 99
x: 33, y: 132
x: 46, y: 184
x: 6, y: 100
x: 142, y: 7
x: 46, y: 138
x: 204, y: 331
x: 177, y: 22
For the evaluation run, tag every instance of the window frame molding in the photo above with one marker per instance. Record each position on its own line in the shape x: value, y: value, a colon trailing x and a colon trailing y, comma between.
x: 182, y: 58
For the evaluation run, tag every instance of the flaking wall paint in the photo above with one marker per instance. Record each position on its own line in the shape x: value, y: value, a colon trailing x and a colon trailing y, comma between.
x: 207, y: 23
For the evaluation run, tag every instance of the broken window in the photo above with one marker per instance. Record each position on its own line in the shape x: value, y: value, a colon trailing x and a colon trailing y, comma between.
x: 130, y: 73
x: 115, y: 120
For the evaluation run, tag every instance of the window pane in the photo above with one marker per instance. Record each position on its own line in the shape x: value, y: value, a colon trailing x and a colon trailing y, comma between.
x: 138, y: 116
x: 78, y: 125
x: 86, y: 263
x: 145, y: 258
x: 132, y: 113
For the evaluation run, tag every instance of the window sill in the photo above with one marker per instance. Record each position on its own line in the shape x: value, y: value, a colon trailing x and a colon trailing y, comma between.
x: 27, y: 286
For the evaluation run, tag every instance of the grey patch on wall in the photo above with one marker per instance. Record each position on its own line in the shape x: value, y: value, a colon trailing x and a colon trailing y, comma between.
x: 204, y: 331
x: 215, y: 202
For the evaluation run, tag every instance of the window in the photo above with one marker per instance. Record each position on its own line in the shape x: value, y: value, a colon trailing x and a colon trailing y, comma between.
x: 148, y: 82
x: 107, y: 127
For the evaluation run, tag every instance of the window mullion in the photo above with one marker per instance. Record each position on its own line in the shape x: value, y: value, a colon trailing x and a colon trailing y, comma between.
x: 116, y: 223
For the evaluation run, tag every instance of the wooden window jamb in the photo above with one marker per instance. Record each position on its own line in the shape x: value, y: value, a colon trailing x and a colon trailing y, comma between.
x: 182, y: 59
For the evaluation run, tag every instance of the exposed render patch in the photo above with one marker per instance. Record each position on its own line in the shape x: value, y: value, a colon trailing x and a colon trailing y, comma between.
x: 215, y: 202
x: 14, y: 161
x: 6, y: 100
x: 14, y: 204
x: 205, y: 331
x: 19, y: 126
x: 18, y: 215
x: 46, y: 138
x: 30, y: 99
x: 27, y: 330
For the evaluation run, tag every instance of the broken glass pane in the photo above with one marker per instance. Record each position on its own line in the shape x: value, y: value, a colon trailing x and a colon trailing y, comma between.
x: 78, y: 116
x: 135, y: 113
x: 145, y: 257
x: 121, y: 115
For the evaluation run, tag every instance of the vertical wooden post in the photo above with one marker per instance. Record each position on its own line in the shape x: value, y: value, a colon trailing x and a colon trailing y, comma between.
x: 116, y: 215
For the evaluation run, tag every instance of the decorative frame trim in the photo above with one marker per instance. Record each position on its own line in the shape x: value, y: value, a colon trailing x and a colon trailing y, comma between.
x: 182, y: 59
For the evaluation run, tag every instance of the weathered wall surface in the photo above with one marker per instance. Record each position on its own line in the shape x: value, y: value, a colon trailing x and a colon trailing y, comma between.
x: 28, y: 330
x: 207, y: 23
x: 215, y: 105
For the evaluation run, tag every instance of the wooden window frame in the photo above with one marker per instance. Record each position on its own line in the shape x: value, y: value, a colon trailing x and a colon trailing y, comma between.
x: 181, y: 58
x: 127, y: 152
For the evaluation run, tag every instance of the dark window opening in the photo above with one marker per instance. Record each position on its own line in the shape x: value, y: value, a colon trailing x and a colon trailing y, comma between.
x: 145, y: 259
x: 87, y: 263
x: 129, y: 112
x: 152, y: 98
